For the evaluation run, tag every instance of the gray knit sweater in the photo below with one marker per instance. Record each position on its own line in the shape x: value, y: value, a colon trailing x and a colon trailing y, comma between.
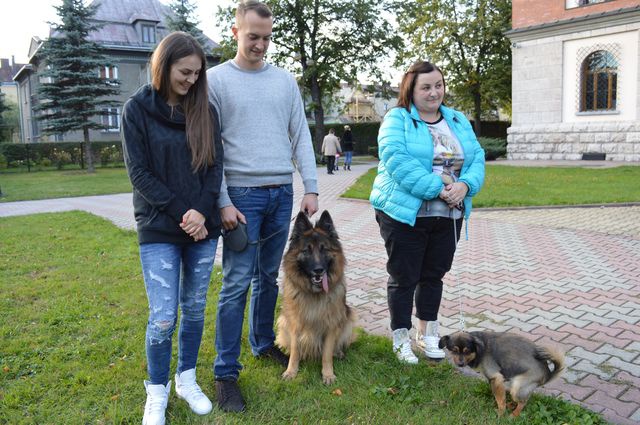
x: 264, y: 128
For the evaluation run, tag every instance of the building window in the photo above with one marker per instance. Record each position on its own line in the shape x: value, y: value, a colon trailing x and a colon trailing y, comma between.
x: 570, y: 4
x: 148, y: 34
x: 599, y: 82
x: 110, y: 119
x: 109, y: 72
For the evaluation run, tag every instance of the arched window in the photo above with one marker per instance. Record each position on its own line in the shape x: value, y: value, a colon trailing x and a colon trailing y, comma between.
x: 599, y: 82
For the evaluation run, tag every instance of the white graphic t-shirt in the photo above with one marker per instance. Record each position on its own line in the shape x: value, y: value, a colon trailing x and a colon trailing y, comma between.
x: 447, y: 162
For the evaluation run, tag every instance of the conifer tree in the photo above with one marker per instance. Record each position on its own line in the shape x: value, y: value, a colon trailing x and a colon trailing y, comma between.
x: 183, y: 20
x: 74, y: 90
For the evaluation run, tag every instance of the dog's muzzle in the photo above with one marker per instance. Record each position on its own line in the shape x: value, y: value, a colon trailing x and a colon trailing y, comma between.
x: 320, y: 282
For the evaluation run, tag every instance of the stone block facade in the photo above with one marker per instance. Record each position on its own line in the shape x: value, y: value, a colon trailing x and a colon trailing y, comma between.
x: 549, y: 117
x: 619, y: 141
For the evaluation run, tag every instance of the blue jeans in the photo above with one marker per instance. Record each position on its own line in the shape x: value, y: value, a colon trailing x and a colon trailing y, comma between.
x: 348, y: 156
x: 268, y: 214
x: 175, y: 275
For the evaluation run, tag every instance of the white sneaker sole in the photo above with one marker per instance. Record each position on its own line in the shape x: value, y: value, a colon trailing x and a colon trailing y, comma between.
x: 195, y: 410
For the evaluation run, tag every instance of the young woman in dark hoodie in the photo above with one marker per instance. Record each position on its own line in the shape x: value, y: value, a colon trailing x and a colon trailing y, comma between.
x: 173, y: 154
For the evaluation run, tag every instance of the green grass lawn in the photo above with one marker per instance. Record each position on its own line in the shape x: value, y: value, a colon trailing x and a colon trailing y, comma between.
x: 507, y: 186
x: 60, y: 184
x: 72, y: 319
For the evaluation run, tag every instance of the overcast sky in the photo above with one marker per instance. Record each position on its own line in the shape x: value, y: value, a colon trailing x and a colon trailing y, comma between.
x: 22, y: 19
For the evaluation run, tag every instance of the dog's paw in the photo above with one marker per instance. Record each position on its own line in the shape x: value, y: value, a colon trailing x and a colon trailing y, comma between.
x: 328, y: 379
x: 288, y: 375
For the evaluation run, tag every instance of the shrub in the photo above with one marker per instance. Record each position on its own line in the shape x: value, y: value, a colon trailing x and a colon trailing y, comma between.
x: 493, y: 148
x: 61, y: 158
x: 373, y: 151
x: 110, y: 154
x: 3, y: 162
x: 13, y: 152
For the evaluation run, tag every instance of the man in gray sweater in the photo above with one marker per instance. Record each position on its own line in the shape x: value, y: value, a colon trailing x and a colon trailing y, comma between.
x: 266, y: 137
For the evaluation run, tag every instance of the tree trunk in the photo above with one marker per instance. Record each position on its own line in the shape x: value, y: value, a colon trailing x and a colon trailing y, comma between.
x: 477, y: 111
x: 318, y: 112
x: 87, y: 150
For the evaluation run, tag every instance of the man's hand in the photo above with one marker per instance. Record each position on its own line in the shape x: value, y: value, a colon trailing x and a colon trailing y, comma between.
x: 230, y: 217
x: 309, y: 204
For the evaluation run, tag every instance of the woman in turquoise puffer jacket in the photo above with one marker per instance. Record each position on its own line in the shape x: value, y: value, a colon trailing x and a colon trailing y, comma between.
x: 431, y: 165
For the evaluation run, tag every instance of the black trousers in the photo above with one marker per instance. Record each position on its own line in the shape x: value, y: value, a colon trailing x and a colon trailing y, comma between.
x: 418, y: 259
x: 331, y: 162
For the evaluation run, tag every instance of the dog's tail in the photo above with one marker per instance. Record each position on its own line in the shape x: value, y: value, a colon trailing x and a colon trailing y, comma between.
x: 553, y: 355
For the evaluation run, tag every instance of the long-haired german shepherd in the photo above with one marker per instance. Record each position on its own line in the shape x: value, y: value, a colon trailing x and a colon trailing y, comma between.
x: 315, y: 320
x: 510, y: 363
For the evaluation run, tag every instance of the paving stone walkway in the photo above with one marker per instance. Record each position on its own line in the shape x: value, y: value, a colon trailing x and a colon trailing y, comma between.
x: 568, y: 276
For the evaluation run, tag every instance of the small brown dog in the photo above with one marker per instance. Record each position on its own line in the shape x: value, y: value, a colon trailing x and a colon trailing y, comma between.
x: 315, y: 320
x: 510, y: 363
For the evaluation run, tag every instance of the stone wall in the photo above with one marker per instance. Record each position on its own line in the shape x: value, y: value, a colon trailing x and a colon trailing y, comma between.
x: 620, y: 141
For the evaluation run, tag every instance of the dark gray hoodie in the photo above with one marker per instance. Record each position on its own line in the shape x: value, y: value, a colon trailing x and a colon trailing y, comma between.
x: 158, y: 161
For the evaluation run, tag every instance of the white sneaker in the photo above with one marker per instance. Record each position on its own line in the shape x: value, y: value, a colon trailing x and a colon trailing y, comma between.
x: 188, y: 390
x: 429, y: 341
x: 402, y: 346
x: 157, y: 399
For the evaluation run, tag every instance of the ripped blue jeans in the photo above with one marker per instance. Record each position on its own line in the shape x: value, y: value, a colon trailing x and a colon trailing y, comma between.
x: 175, y: 275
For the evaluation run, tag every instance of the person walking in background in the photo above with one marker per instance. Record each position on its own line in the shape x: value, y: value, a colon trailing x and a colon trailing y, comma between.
x: 266, y: 136
x: 330, y: 148
x: 173, y: 154
x: 347, y: 147
x: 431, y: 165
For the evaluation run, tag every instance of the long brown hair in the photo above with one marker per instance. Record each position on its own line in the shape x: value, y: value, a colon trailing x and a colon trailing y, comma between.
x: 405, y: 97
x: 199, y: 122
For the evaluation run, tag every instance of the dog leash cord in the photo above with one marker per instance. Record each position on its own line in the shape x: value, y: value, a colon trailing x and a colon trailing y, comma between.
x: 455, y: 278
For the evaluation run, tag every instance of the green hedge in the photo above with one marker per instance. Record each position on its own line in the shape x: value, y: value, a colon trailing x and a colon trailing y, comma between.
x: 365, y: 134
x: 494, y: 148
x: 59, y: 154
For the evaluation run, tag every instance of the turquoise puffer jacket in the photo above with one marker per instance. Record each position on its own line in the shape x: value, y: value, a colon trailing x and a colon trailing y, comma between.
x: 405, y: 176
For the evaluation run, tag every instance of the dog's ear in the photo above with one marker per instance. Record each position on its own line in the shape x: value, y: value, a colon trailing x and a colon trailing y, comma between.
x: 444, y: 341
x: 479, y: 346
x: 301, y: 225
x: 326, y: 223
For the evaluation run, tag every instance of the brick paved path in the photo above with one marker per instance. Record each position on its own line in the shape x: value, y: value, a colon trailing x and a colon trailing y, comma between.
x: 570, y: 276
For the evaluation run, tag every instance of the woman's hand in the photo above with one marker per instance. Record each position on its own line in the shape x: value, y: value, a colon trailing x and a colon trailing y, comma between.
x: 453, y: 194
x: 202, y: 234
x: 193, y: 224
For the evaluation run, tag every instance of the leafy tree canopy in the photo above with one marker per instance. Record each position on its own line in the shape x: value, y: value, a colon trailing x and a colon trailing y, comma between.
x: 3, y: 105
x: 9, y: 118
x: 465, y: 38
